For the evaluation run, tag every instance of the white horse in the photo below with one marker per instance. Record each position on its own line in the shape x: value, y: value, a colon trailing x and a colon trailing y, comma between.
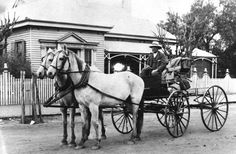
x: 100, y: 89
x: 62, y: 83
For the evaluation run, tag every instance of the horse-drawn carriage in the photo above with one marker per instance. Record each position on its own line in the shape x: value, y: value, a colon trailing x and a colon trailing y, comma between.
x: 172, y: 106
x: 129, y: 97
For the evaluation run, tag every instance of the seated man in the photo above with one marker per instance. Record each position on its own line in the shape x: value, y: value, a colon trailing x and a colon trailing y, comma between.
x: 156, y: 61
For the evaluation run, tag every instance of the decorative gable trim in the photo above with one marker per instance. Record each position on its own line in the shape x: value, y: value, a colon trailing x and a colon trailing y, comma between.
x: 70, y: 38
x: 72, y: 35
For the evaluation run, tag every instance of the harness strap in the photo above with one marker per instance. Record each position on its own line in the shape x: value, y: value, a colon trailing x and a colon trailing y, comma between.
x: 84, y: 79
x: 105, y: 93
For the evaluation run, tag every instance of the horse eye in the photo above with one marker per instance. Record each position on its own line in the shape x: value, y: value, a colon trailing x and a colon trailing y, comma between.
x: 50, y: 60
x: 62, y: 58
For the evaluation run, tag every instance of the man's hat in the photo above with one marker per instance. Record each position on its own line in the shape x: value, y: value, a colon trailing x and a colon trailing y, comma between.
x: 156, y: 44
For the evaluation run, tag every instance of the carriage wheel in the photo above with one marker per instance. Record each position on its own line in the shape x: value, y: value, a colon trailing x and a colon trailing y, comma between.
x: 161, y: 114
x: 214, y: 108
x: 122, y: 120
x: 177, y: 113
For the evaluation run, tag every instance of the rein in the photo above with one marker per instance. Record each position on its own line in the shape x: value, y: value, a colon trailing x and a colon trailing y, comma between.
x: 67, y: 89
x: 82, y: 83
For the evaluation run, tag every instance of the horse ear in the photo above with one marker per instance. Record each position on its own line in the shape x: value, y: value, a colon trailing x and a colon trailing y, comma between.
x: 50, y: 50
x: 65, y: 49
x: 59, y: 47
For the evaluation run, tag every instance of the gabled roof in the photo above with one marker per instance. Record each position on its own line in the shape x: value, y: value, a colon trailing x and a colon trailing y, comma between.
x: 93, y: 13
x: 71, y: 37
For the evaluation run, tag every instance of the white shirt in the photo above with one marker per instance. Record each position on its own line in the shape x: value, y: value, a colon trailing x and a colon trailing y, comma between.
x: 154, y: 54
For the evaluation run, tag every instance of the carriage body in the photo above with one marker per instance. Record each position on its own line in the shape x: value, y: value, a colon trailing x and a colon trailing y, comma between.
x: 171, y: 105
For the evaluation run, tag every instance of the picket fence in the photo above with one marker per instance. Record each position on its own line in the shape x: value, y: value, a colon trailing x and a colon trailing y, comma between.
x: 11, y: 90
x: 199, y: 85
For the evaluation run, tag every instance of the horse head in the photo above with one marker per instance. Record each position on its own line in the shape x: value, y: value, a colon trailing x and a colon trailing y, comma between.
x: 45, y: 63
x: 62, y: 62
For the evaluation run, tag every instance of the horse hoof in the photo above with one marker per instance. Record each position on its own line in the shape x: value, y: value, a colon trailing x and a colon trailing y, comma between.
x: 131, y: 142
x: 78, y: 147
x: 103, y: 137
x: 95, y: 147
x: 72, y: 145
x: 63, y: 144
x: 137, y: 139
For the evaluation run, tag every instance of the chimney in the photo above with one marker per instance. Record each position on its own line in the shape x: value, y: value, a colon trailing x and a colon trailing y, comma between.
x: 126, y: 4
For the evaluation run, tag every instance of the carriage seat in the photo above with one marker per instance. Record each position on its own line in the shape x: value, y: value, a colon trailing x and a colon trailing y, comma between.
x: 178, y: 65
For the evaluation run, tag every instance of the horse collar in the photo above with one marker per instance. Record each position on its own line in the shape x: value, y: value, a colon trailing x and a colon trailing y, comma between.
x: 84, y: 79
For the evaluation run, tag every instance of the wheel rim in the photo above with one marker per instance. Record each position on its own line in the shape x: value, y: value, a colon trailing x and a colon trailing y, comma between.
x: 161, y: 114
x: 122, y: 120
x: 177, y: 114
x: 214, y: 108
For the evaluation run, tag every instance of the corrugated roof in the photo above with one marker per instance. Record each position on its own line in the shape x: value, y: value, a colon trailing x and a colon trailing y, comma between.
x: 91, y: 13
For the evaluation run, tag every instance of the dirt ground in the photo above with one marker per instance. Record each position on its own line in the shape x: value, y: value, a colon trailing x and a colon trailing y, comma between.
x: 45, y: 138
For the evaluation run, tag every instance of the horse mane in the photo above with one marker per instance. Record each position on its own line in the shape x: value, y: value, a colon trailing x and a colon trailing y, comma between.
x: 79, y: 61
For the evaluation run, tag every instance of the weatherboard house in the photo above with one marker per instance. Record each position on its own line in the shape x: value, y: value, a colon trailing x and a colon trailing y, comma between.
x: 102, y: 32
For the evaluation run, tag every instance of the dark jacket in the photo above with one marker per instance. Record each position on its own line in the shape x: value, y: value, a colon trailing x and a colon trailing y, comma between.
x: 157, y: 63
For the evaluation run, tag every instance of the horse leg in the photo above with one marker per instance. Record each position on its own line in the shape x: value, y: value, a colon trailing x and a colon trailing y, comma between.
x: 102, y: 123
x: 134, y: 135
x: 96, y: 124
x: 86, y: 119
x: 140, y: 120
x: 72, y: 125
x: 64, y: 122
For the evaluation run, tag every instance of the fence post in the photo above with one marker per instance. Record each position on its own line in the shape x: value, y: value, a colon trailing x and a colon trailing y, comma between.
x: 206, y: 77
x: 227, y: 78
x: 5, y: 82
x: 34, y: 112
x: 194, y: 80
x: 37, y: 97
x: 22, y: 80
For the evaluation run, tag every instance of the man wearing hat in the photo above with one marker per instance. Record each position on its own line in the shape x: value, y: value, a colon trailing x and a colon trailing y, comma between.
x: 156, y: 61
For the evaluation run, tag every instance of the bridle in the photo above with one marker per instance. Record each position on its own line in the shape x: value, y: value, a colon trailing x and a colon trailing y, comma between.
x: 46, y: 56
x: 59, y: 70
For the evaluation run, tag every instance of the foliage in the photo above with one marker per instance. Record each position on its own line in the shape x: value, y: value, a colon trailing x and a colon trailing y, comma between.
x: 16, y: 64
x: 208, y: 28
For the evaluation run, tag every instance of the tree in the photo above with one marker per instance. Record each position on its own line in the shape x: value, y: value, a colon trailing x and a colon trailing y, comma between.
x: 5, y: 31
x: 14, y: 60
x: 226, y: 25
x: 195, y: 29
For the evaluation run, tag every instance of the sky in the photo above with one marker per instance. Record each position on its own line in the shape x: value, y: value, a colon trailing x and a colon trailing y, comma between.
x: 154, y: 10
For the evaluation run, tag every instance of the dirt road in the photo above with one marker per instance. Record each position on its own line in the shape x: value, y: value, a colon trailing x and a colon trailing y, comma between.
x: 45, y: 138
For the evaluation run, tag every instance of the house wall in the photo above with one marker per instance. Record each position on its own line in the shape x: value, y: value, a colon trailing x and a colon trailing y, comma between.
x: 19, y: 34
x: 32, y: 35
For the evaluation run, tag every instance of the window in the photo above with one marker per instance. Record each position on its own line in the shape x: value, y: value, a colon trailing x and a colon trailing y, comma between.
x: 88, y: 56
x: 19, y: 49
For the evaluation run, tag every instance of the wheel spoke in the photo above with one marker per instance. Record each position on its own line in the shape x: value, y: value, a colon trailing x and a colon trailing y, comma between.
x: 119, y: 118
x: 222, y: 110
x: 221, y: 115
x: 216, y: 121
x: 121, y: 122
x: 219, y: 119
x: 130, y: 123
x: 206, y: 98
